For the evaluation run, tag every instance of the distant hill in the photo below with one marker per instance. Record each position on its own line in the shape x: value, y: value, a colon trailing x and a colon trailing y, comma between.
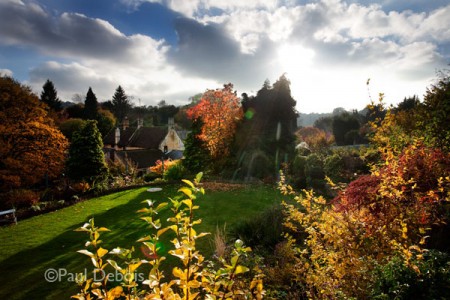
x: 66, y: 104
x: 308, y: 119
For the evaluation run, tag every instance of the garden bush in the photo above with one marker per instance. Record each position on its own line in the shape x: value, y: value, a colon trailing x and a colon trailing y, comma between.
x: 298, y: 176
x: 175, y: 171
x: 262, y: 232
x: 314, y: 171
x: 378, y: 217
x: 396, y: 280
x: 18, y: 198
x: 334, y: 167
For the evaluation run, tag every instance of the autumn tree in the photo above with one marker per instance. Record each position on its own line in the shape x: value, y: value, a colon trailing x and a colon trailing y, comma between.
x: 90, y: 106
x: 86, y: 158
x: 49, y: 96
x: 121, y: 104
x: 220, y: 111
x: 31, y: 147
x: 315, y: 138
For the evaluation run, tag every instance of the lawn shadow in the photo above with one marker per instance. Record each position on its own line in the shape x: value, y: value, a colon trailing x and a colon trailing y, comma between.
x: 23, y: 274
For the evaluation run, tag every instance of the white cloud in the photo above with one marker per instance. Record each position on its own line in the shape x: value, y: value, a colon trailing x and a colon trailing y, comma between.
x: 328, y: 48
x: 6, y: 72
x: 99, y: 56
x: 193, y: 8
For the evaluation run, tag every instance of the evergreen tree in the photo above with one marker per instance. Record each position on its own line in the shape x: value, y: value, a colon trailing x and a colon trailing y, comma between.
x: 270, y: 123
x: 196, y: 154
x: 86, y: 158
x: 50, y: 97
x: 90, y: 106
x: 121, y: 104
x: 345, y: 128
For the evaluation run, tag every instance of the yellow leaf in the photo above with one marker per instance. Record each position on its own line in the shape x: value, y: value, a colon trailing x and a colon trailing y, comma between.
x: 188, y: 182
x: 241, y: 269
x: 101, y: 252
x: 186, y: 191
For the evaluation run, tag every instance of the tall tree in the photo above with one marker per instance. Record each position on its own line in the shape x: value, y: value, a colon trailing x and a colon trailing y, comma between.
x: 220, y: 112
x: 196, y: 154
x: 437, y: 112
x: 121, y: 104
x: 90, y: 106
x: 270, y: 120
x: 86, y: 158
x: 343, y: 126
x: 31, y: 147
x: 50, y: 97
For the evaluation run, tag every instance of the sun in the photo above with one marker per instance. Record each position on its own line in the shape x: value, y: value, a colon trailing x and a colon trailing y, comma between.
x: 295, y: 58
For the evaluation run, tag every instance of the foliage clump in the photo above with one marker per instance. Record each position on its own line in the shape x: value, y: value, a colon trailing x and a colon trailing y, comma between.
x: 193, y: 278
x: 32, y: 149
x: 389, y: 213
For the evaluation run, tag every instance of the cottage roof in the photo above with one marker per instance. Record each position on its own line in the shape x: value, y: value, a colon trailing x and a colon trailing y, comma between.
x: 143, y: 158
x: 148, y: 137
x: 144, y: 137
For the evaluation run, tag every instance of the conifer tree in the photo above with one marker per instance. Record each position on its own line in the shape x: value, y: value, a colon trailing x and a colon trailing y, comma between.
x: 86, y: 158
x: 90, y: 106
x: 196, y: 154
x: 50, y: 97
x: 121, y: 104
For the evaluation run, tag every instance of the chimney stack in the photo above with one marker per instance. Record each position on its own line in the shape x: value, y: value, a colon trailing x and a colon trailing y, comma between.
x: 140, y: 123
x: 125, y: 123
x: 117, y: 137
x: 171, y: 123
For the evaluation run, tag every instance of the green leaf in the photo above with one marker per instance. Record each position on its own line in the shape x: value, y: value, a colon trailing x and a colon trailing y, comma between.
x: 198, y: 177
x: 161, y: 206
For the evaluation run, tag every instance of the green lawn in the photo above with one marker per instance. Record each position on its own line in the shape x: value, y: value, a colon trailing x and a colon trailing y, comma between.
x: 48, y: 241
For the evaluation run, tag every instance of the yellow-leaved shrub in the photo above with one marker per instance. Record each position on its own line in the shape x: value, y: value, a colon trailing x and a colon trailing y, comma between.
x: 193, y: 278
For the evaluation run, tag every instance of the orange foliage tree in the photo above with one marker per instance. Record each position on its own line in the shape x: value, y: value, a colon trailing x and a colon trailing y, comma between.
x: 317, y: 139
x: 220, y: 112
x: 31, y: 147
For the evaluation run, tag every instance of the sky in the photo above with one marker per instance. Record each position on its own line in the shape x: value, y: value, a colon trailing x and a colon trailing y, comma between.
x: 173, y: 49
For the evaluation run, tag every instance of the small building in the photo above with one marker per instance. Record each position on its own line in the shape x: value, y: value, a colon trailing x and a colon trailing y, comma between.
x: 143, y: 145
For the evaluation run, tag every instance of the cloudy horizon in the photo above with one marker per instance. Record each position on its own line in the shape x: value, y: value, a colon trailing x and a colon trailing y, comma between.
x: 172, y: 49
